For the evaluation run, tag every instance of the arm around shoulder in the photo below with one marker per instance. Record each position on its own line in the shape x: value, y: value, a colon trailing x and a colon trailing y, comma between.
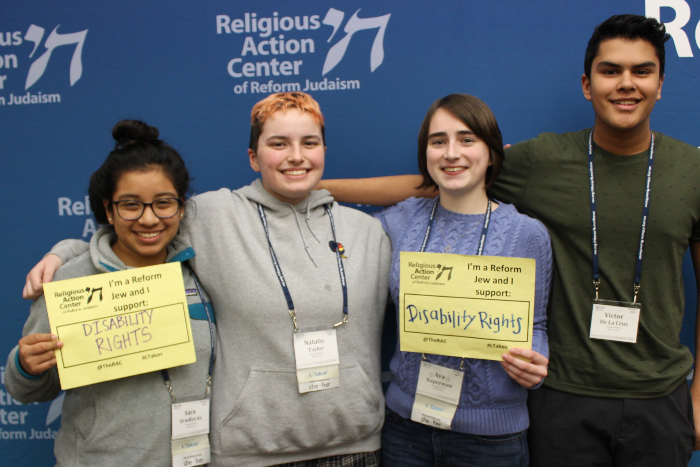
x: 69, y: 249
x: 377, y: 191
x: 45, y: 269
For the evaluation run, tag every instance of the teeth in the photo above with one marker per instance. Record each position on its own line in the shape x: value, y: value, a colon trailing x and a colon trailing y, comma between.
x: 626, y: 102
x: 294, y: 172
x: 148, y: 235
x: 453, y: 169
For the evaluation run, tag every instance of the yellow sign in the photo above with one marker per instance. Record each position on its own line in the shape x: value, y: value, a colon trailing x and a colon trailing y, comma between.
x: 465, y: 306
x: 120, y: 324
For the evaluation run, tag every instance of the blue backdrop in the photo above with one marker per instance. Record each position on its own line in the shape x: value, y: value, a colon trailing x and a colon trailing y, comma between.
x: 70, y: 70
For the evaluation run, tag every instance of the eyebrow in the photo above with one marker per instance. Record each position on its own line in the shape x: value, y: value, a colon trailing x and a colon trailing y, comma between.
x: 649, y: 64
x: 166, y: 194
x: 444, y: 133
x: 287, y: 137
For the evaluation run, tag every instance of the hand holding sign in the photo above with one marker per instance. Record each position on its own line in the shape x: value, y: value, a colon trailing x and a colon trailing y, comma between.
x: 37, y: 352
x: 527, y: 374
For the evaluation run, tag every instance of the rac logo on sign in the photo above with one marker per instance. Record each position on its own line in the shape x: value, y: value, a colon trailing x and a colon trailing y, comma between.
x: 337, y: 52
x: 44, y: 45
x: 36, y: 71
x: 279, y: 52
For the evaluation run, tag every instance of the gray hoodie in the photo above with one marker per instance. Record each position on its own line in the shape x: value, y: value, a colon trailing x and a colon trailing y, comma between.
x: 259, y: 418
x: 120, y: 422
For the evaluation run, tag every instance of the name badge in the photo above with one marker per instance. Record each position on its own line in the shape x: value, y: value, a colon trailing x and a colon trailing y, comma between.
x: 615, y: 321
x: 317, y: 360
x: 190, y: 433
x: 191, y: 451
x: 190, y: 418
x: 437, y: 395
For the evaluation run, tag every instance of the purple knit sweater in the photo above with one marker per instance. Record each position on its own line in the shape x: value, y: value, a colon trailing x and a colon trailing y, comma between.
x: 492, y: 403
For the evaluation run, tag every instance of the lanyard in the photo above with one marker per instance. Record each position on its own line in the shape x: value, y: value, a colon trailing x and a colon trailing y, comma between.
x: 480, y: 250
x: 212, y: 336
x: 484, y: 229
x: 283, y: 283
x: 645, y: 216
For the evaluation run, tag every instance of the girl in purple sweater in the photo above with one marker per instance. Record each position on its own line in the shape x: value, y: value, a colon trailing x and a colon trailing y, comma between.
x: 460, y: 152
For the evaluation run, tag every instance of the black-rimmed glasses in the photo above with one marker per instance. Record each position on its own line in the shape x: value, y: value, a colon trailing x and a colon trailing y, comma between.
x: 132, y: 209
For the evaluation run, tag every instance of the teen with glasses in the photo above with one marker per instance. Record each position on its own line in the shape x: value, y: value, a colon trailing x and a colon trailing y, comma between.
x: 138, y: 196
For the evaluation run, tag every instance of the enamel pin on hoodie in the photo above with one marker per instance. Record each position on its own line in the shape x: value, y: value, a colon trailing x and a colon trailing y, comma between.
x: 337, y: 246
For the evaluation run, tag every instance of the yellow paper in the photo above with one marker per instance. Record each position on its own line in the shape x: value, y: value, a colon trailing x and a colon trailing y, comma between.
x: 120, y: 324
x: 465, y: 306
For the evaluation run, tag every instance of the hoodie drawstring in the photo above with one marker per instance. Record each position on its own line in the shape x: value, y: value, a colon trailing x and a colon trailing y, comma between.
x: 301, y: 232
x: 308, y: 216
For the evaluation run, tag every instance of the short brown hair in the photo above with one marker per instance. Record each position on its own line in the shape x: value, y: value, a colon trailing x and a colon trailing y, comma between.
x: 282, y: 101
x: 478, y: 117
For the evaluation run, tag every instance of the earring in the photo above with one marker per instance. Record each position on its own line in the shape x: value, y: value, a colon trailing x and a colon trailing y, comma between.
x: 110, y: 219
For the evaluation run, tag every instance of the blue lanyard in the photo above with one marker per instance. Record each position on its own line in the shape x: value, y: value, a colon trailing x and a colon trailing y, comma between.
x: 480, y: 250
x: 212, y: 336
x: 645, y: 217
x: 484, y: 229
x: 283, y: 283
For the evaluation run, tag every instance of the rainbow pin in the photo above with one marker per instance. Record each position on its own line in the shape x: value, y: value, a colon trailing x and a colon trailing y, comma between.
x: 337, y: 247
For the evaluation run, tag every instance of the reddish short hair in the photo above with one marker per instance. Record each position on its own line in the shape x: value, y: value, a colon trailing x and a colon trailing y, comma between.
x: 282, y: 101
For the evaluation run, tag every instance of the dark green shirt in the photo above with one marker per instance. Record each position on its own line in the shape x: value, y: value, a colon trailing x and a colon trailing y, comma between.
x: 547, y: 178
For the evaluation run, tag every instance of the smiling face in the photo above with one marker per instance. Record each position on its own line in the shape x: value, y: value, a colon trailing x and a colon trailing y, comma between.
x: 143, y: 242
x: 624, y: 85
x: 290, y: 155
x: 457, y: 159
